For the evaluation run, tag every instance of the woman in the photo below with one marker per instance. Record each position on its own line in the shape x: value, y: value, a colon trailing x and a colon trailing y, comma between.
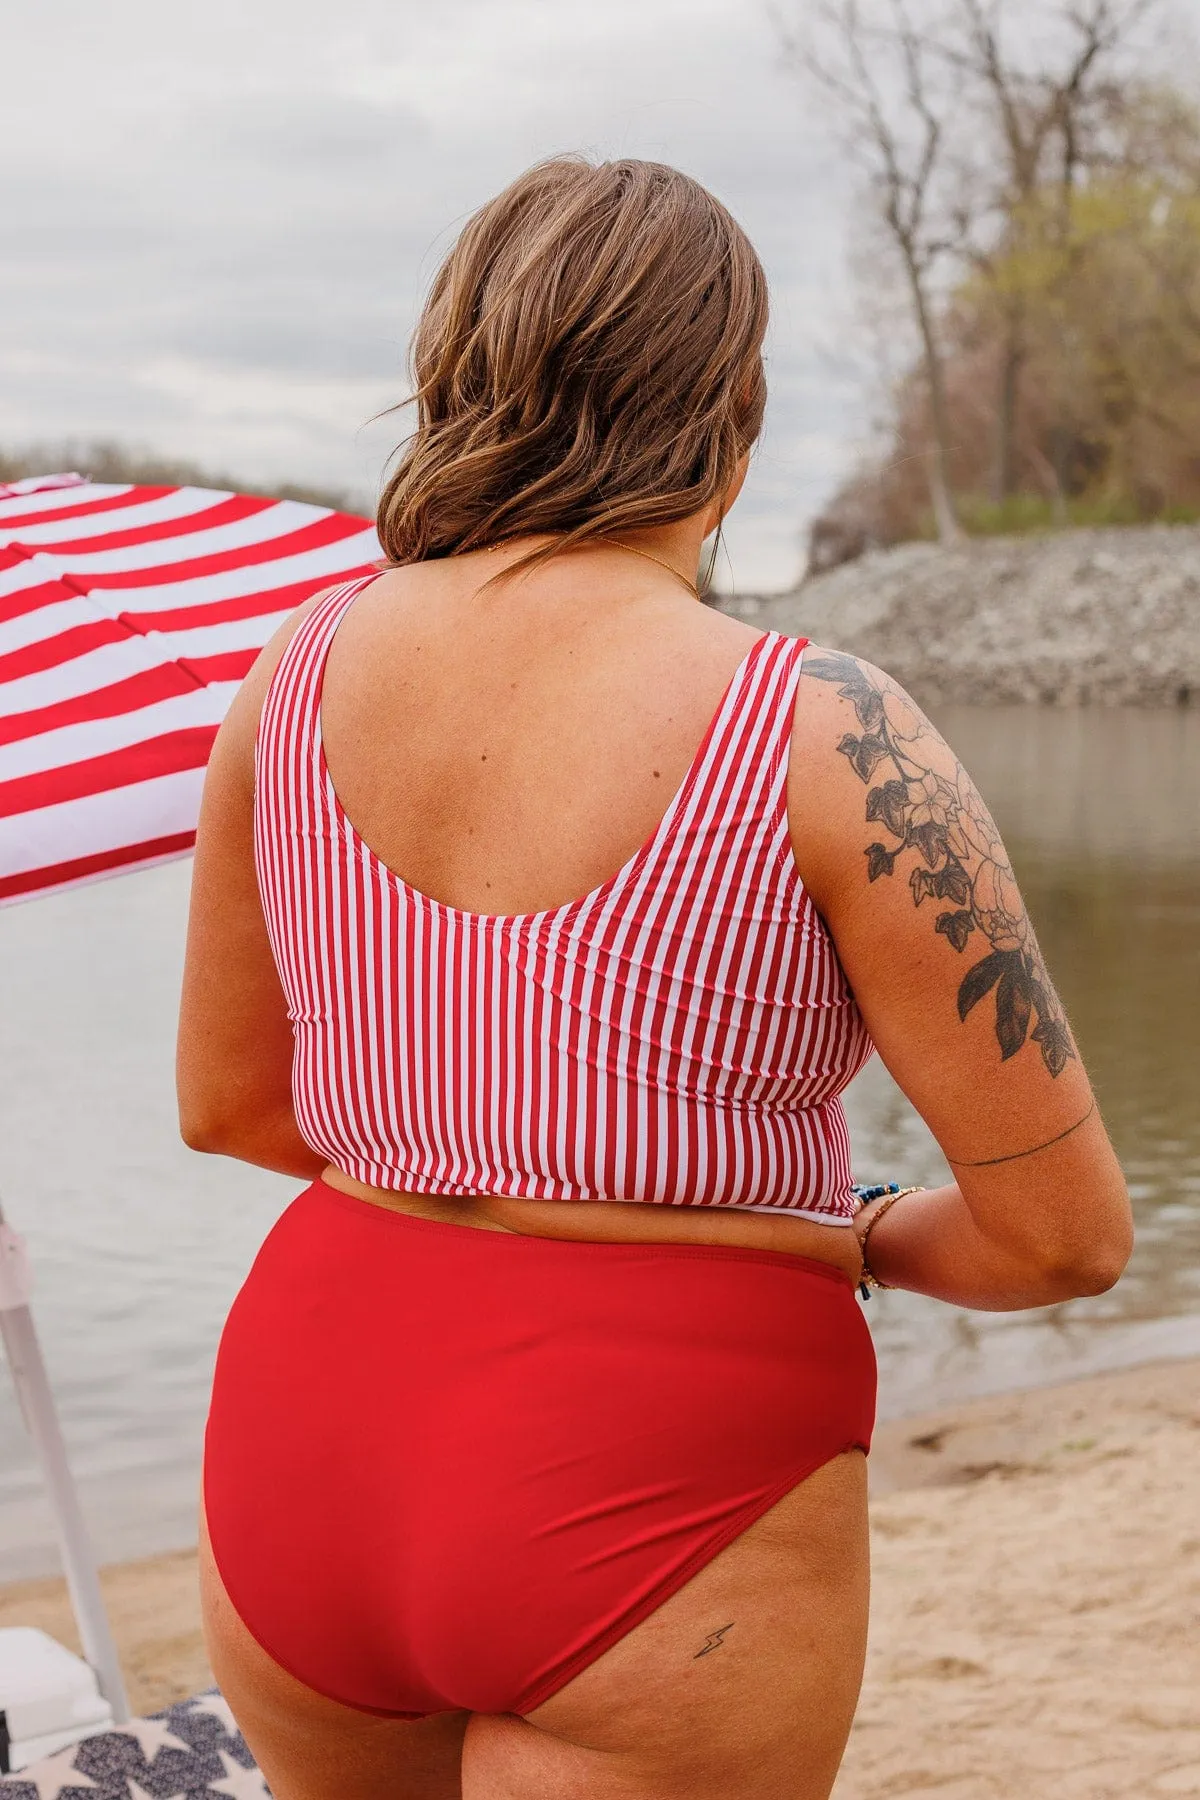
x: 540, y: 915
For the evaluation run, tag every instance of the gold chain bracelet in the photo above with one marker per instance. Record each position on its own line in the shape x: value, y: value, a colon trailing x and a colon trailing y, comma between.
x: 868, y: 1280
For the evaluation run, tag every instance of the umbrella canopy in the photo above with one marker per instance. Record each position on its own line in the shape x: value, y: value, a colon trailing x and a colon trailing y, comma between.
x: 128, y: 616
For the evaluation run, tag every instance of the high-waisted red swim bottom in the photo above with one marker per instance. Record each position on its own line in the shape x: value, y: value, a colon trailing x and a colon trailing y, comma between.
x: 448, y: 1467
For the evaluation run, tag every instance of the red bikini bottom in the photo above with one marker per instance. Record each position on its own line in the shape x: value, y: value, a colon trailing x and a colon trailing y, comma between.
x: 447, y: 1467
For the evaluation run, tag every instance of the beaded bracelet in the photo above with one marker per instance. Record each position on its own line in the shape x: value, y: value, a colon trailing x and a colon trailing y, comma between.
x: 889, y: 1192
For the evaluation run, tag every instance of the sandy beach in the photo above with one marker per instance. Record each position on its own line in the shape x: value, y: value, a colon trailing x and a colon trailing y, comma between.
x: 1036, y: 1618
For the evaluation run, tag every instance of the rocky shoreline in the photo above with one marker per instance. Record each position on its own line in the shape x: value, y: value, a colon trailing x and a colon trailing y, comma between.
x: 1108, y: 616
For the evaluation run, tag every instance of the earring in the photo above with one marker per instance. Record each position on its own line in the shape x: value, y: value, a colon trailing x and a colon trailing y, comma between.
x: 706, y: 584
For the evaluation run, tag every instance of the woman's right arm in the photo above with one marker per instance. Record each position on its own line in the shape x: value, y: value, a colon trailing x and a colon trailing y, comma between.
x: 904, y: 863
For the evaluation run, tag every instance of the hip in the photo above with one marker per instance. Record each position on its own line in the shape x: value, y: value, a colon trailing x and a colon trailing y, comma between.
x: 503, y: 1446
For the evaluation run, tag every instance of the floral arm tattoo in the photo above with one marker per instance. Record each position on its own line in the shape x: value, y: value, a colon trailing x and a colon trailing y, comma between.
x: 961, y: 862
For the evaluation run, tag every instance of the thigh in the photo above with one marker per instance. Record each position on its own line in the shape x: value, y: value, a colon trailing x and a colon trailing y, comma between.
x: 742, y: 1685
x: 311, y: 1748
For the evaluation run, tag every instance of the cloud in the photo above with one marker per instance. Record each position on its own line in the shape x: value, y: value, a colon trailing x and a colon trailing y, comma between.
x: 226, y: 217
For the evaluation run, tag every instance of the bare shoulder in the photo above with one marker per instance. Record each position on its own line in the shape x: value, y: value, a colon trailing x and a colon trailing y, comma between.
x: 853, y: 720
x: 848, y: 689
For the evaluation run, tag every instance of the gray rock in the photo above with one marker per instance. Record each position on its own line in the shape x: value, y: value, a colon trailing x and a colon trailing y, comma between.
x: 1104, y: 616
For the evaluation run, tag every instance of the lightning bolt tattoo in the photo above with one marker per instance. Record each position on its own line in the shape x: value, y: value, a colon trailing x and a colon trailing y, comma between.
x: 712, y: 1642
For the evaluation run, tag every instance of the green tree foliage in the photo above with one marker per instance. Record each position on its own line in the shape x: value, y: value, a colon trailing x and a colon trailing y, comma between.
x: 1103, y: 282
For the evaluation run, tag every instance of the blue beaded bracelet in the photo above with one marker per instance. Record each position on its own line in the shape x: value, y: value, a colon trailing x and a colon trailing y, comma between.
x: 888, y: 1191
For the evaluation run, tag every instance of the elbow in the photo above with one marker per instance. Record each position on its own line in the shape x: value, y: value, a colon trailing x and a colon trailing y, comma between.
x: 201, y: 1107
x: 1103, y: 1271
x: 199, y: 1133
x: 204, y: 1128
x: 249, y: 1131
x: 1086, y: 1278
x: 1089, y: 1270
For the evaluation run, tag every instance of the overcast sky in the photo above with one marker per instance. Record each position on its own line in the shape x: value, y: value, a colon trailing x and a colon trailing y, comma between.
x: 227, y: 213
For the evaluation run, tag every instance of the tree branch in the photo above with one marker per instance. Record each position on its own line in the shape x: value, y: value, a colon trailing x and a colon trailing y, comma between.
x: 903, y: 142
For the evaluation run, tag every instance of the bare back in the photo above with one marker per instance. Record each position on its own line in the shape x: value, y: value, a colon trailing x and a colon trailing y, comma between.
x: 506, y: 748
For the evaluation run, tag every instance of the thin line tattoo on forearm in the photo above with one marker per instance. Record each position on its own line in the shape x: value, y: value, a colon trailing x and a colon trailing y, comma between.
x: 962, y: 862
x: 990, y: 1162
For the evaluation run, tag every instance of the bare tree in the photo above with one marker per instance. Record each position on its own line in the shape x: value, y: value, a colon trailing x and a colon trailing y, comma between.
x: 1040, y: 115
x: 881, y: 72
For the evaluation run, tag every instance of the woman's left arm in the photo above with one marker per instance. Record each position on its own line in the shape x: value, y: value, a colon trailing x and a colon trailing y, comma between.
x: 234, y: 1051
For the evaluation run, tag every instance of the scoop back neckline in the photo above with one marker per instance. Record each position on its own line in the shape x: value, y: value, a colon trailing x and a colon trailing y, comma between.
x: 568, y: 908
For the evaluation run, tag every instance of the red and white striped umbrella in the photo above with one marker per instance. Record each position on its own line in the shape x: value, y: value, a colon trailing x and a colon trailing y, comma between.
x: 128, y: 616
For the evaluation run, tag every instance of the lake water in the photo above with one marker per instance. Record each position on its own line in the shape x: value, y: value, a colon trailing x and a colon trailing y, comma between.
x: 139, y: 1246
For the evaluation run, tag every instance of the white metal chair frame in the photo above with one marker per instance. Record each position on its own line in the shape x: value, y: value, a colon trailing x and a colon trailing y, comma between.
x: 41, y: 1418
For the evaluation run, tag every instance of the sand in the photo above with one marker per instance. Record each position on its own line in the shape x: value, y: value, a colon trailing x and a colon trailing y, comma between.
x: 1036, y: 1619
x: 155, y: 1617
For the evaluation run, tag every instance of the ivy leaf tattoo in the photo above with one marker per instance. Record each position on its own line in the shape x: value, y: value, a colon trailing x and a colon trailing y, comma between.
x: 957, y: 926
x: 887, y: 804
x: 960, y: 860
x: 864, y: 753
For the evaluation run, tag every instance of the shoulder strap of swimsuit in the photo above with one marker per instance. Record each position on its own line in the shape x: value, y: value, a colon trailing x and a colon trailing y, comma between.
x: 730, y: 817
x: 289, y: 732
x: 752, y: 735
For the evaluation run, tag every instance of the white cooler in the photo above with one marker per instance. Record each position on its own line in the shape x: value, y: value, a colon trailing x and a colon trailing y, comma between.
x: 48, y: 1696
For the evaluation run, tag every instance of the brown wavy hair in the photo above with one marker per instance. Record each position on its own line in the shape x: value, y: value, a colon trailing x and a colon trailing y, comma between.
x: 588, y: 363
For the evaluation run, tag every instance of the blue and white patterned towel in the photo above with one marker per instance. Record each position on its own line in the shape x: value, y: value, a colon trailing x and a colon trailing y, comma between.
x: 192, y: 1751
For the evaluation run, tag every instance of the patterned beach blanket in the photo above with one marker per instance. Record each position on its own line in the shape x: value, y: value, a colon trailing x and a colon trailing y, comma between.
x: 192, y: 1751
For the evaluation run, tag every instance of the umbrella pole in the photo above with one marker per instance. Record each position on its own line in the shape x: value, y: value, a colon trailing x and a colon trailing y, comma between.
x: 37, y: 1405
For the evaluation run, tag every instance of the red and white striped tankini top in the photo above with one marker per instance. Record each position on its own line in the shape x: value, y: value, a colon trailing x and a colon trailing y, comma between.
x: 679, y: 1035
